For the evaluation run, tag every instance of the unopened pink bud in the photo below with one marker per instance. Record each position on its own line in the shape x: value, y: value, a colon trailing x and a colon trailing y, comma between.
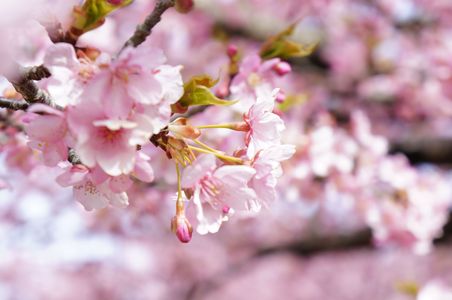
x: 222, y: 91
x: 241, y: 126
x: 115, y: 2
x: 232, y: 50
x: 226, y: 209
x: 184, y: 6
x: 181, y: 128
x: 280, y: 97
x: 282, y: 68
x: 182, y: 228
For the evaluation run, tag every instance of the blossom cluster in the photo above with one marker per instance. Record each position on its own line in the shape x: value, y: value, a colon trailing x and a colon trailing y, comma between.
x: 103, y: 110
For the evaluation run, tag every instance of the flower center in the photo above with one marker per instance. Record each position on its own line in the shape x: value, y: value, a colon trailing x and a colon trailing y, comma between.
x: 108, y: 135
x: 211, y: 188
x: 254, y: 79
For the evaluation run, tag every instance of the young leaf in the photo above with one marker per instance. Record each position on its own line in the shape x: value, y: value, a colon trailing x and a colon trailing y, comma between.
x: 197, y: 92
x: 283, y: 47
x: 92, y: 14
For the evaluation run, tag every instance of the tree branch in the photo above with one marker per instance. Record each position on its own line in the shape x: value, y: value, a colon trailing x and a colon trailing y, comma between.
x: 14, y: 104
x: 24, y: 84
x: 144, y: 30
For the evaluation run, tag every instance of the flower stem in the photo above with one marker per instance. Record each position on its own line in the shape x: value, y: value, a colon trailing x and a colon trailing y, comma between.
x: 225, y: 126
x: 179, y: 202
x: 217, y: 154
x: 204, y: 146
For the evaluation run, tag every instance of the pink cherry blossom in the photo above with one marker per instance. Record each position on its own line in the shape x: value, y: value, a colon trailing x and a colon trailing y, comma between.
x: 109, y: 143
x: 218, y: 192
x: 91, y: 193
x: 265, y: 127
x: 254, y: 74
x: 136, y: 76
x: 69, y: 73
x: 47, y: 132
x: 267, y: 164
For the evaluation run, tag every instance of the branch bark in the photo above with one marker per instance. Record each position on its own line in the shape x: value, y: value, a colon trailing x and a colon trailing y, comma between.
x: 25, y: 85
x: 144, y: 30
x: 14, y: 104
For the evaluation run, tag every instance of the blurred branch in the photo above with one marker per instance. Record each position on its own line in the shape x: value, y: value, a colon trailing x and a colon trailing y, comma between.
x: 144, y: 30
x: 14, y: 104
x: 25, y: 85
x: 314, y: 245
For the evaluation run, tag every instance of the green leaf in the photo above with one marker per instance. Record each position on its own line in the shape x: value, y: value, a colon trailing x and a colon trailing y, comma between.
x: 197, y: 92
x: 201, y: 95
x: 283, y: 47
x: 93, y: 12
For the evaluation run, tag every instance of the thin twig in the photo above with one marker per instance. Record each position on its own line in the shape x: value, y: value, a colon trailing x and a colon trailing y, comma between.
x: 14, y: 104
x: 144, y: 30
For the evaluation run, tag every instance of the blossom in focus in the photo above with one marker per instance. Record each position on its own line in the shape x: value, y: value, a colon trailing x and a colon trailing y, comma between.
x: 218, y: 191
x: 137, y: 76
x: 267, y: 164
x: 108, y: 143
x: 70, y: 73
x: 265, y: 127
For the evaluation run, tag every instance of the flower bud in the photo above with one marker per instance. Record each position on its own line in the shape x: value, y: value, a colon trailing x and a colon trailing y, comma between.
x: 115, y: 2
x: 184, y: 6
x: 280, y: 97
x: 282, y: 68
x: 232, y: 50
x: 182, y: 228
x: 182, y: 129
x: 241, y: 126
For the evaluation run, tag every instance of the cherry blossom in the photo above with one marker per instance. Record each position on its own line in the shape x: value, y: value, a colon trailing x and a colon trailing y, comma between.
x: 218, y: 192
x: 265, y: 127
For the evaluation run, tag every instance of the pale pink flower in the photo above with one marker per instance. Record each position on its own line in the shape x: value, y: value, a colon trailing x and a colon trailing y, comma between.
x: 410, y: 208
x: 93, y: 191
x: 435, y: 290
x: 267, y: 164
x: 254, y: 74
x: 47, y: 132
x: 218, y: 191
x: 265, y: 127
x: 69, y: 73
x: 109, y: 143
x: 136, y: 76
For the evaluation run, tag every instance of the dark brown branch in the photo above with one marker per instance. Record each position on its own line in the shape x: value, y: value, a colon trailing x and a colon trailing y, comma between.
x: 73, y: 158
x: 36, y: 73
x: 24, y: 84
x: 14, y: 104
x: 144, y: 30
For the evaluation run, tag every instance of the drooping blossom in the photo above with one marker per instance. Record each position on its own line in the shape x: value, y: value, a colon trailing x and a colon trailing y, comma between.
x: 93, y: 189
x: 218, y: 191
